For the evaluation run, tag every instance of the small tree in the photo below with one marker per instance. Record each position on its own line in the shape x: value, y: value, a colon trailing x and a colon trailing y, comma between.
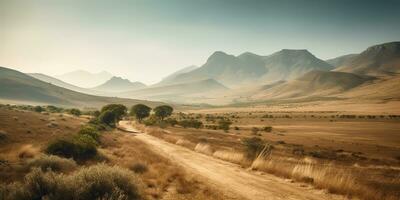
x: 118, y: 110
x: 163, y: 111
x: 107, y: 117
x: 140, y: 111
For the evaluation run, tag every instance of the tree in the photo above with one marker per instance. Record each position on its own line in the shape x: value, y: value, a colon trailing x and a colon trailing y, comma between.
x: 163, y: 111
x: 107, y: 117
x: 118, y: 110
x: 140, y: 111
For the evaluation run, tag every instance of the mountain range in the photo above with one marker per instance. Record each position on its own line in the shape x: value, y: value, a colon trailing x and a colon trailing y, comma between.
x: 248, y: 77
x: 85, y: 79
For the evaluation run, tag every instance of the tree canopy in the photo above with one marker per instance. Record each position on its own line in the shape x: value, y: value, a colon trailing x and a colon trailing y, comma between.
x: 140, y: 111
x: 163, y: 111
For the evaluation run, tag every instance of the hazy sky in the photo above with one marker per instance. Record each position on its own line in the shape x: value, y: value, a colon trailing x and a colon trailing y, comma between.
x: 146, y: 40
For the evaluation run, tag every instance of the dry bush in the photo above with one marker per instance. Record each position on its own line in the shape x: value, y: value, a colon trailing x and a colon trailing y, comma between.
x: 54, y: 163
x: 3, y: 135
x: 94, y: 182
x: 230, y: 156
x: 204, y: 148
x: 139, y: 168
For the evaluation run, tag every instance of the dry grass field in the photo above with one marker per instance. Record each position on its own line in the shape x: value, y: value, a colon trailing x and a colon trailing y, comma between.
x: 131, y: 164
x: 356, y: 155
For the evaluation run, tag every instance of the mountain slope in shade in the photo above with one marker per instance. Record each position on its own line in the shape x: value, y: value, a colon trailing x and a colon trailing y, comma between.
x: 118, y: 84
x: 376, y: 60
x: 314, y: 83
x: 226, y: 69
x: 341, y: 60
x: 289, y: 64
x: 171, y: 77
x: 178, y: 92
x: 85, y: 79
x: 60, y: 83
x: 17, y: 87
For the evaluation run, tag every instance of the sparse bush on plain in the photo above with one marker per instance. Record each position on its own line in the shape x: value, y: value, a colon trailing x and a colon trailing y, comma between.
x: 78, y: 149
x: 224, y: 124
x: 38, y: 109
x: 107, y: 117
x: 75, y: 112
x: 267, y: 128
x: 51, y: 162
x: 90, y: 131
x: 192, y: 123
x: 3, y: 135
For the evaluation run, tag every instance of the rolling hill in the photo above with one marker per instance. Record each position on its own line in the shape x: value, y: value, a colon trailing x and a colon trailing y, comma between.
x: 17, y: 87
x: 382, y: 59
x: 60, y: 83
x: 171, y: 77
x: 85, y: 79
x: 312, y: 84
x: 118, y: 84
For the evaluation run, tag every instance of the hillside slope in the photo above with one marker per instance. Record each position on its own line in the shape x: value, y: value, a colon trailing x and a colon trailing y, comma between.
x: 382, y: 59
x: 17, y: 87
x: 341, y: 60
x: 85, y: 79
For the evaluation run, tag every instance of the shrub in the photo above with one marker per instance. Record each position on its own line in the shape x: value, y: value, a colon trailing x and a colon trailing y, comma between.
x: 253, y: 145
x: 267, y: 128
x: 38, y: 109
x: 94, y: 182
x: 171, y: 121
x: 254, y: 130
x: 78, y: 149
x: 53, y: 109
x: 192, y: 123
x: 75, y: 112
x: 224, y: 124
x: 139, y: 168
x: 53, y: 163
x: 90, y: 131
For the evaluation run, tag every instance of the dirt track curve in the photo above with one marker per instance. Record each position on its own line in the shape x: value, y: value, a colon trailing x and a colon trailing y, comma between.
x: 233, y: 180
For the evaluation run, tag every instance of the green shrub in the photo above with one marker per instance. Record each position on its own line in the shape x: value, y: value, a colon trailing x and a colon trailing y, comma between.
x: 90, y: 131
x: 94, y: 182
x: 79, y: 149
x: 192, y: 123
x: 38, y: 109
x: 74, y: 111
x: 54, y: 109
x: 224, y: 124
x: 53, y: 163
x: 171, y: 121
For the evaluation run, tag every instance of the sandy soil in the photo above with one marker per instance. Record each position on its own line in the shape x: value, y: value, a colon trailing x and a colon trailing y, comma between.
x: 229, y: 177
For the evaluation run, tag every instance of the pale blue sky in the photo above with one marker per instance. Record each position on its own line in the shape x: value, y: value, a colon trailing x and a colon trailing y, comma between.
x: 146, y: 40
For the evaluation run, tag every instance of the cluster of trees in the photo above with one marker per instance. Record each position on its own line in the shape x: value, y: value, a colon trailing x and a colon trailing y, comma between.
x: 141, y: 111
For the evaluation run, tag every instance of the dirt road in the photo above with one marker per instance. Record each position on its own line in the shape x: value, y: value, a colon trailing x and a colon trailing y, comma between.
x: 230, y: 178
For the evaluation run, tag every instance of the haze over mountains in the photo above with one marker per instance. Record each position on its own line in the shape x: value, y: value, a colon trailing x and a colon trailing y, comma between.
x: 224, y: 79
x: 84, y: 78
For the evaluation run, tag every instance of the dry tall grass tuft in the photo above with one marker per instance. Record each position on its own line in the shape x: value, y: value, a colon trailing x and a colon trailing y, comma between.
x: 204, y: 148
x: 54, y: 163
x: 231, y: 156
x: 185, y: 143
x: 94, y: 182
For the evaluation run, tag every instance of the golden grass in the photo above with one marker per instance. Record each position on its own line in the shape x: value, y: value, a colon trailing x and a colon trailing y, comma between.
x: 230, y: 156
x: 185, y: 143
x: 204, y: 148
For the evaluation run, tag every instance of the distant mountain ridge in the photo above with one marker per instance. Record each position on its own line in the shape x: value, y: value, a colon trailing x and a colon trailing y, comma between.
x: 84, y: 78
x: 249, y: 68
x: 379, y: 59
x: 341, y: 60
x: 17, y: 87
x: 118, y: 84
